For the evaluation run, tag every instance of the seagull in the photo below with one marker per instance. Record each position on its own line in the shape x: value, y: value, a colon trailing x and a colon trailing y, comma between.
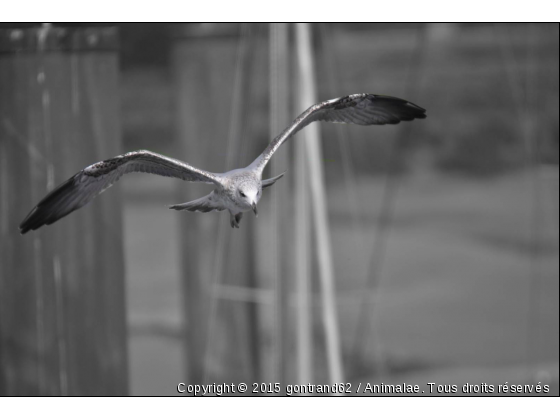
x: 238, y: 190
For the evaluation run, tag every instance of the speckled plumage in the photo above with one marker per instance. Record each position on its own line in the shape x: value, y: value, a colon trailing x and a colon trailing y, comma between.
x: 238, y: 190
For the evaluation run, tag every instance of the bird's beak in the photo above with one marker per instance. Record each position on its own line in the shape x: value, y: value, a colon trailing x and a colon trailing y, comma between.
x: 255, y: 209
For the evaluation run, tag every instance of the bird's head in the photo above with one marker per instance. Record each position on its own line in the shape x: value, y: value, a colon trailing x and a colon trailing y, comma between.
x: 249, y: 195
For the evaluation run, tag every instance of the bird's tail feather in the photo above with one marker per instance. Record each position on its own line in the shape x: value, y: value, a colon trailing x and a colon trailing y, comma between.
x: 269, y: 182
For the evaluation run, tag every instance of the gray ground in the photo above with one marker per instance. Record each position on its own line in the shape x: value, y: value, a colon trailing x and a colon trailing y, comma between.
x: 457, y: 300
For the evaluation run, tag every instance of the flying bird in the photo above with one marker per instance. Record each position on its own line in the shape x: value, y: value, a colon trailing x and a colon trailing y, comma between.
x: 238, y: 190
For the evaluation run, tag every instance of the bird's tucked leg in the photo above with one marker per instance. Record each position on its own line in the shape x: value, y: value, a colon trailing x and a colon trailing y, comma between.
x: 234, y: 219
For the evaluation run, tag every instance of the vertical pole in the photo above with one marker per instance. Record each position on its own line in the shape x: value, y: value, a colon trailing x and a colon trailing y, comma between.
x: 304, y: 333
x: 62, y: 302
x: 319, y: 204
x: 279, y: 106
x: 204, y: 58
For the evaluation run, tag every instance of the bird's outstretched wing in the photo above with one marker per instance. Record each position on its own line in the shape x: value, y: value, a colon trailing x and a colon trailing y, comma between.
x: 83, y: 187
x: 210, y: 202
x: 361, y: 109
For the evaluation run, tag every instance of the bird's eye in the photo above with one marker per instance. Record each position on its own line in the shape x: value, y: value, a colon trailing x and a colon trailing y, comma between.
x: 242, y: 194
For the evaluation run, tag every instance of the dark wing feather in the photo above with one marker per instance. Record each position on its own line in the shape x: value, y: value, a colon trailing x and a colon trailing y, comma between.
x: 361, y: 109
x: 83, y: 187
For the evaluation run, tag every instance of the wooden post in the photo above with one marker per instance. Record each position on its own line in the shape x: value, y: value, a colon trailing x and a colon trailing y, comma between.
x: 204, y: 65
x: 319, y: 205
x: 62, y: 302
x: 301, y: 254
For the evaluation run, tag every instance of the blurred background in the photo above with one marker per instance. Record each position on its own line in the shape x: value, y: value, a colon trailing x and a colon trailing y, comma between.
x: 444, y: 231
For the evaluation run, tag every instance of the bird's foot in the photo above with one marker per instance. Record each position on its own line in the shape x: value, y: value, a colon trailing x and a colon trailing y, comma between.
x: 234, y: 220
